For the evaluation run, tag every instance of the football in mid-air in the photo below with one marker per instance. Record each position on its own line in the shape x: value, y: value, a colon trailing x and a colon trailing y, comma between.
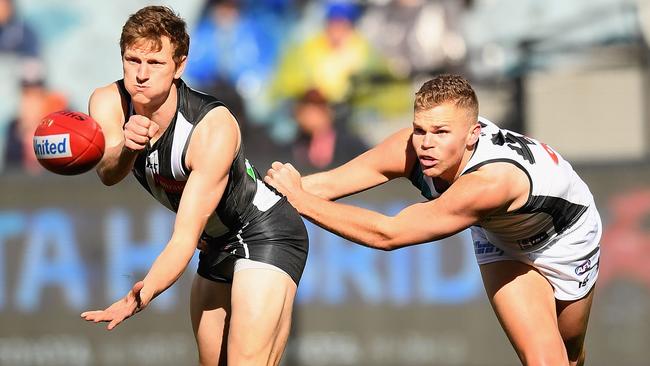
x: 68, y: 142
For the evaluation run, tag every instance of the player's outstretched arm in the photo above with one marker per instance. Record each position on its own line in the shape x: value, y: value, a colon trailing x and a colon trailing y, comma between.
x: 123, y: 142
x: 390, y: 159
x: 212, y: 148
x: 490, y: 189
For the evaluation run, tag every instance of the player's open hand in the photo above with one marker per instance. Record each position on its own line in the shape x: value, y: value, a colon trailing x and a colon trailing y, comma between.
x: 138, y: 131
x: 122, y: 309
x: 285, y: 178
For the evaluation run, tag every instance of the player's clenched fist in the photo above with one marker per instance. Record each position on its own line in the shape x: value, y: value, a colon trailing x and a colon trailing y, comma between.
x: 284, y: 177
x: 138, y: 131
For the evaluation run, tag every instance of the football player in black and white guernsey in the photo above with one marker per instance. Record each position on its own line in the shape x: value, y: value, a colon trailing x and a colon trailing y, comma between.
x: 535, y: 227
x: 185, y: 149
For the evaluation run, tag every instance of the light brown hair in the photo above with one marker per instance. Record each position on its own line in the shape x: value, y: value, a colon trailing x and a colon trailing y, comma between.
x: 151, y: 23
x: 446, y: 88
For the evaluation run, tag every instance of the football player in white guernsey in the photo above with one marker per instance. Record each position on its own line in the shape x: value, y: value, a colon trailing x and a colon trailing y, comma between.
x: 240, y: 316
x: 534, y: 224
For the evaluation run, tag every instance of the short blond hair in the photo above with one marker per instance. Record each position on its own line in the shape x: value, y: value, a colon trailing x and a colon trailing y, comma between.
x: 446, y: 88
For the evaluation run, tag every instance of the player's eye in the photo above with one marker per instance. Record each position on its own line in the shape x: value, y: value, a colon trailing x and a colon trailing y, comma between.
x: 418, y: 131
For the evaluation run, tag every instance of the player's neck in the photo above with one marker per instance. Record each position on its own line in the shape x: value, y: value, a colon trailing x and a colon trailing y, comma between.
x: 467, y: 155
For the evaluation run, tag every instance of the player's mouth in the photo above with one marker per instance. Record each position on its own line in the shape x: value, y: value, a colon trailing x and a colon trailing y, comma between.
x: 427, y: 161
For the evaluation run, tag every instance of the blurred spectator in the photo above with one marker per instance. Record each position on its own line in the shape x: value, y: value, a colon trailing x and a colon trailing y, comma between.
x: 322, y: 142
x: 232, y: 46
x: 36, y: 101
x: 328, y: 59
x: 16, y: 36
x: 415, y: 36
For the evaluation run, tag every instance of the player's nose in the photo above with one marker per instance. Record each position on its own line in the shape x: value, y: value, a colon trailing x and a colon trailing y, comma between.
x: 428, y: 141
x: 143, y: 72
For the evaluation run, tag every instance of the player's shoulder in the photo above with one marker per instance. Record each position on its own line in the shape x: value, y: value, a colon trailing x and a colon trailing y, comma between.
x: 215, y: 123
x: 107, y: 95
x: 106, y: 103
x: 216, y: 138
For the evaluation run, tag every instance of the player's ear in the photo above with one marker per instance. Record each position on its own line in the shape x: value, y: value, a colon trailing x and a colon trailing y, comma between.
x: 180, y: 67
x: 474, y: 134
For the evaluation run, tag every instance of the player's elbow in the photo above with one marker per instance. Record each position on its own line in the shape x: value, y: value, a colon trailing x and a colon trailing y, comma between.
x: 108, y: 179
x: 386, y: 239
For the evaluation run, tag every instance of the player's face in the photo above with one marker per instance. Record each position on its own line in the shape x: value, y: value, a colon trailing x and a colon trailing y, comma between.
x: 441, y: 138
x: 149, y: 73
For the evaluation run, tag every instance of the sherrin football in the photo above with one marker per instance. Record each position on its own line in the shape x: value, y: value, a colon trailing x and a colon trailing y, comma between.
x: 68, y: 142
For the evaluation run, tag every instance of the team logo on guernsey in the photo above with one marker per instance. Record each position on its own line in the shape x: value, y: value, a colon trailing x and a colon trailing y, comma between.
x: 52, y: 146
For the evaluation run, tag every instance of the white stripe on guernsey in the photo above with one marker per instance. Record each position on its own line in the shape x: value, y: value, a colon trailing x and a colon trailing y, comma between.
x: 152, y: 167
x: 181, y: 132
x: 241, y: 241
x: 264, y: 197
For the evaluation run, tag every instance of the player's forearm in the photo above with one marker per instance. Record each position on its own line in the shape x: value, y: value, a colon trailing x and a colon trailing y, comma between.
x: 168, y: 267
x: 116, y: 164
x: 319, y: 185
x: 356, y: 224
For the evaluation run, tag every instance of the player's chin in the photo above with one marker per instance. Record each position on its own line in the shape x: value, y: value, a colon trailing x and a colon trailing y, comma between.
x: 140, y: 98
x: 432, y: 172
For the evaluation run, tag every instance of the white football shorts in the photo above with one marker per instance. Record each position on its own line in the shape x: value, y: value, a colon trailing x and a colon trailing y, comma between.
x: 570, y: 262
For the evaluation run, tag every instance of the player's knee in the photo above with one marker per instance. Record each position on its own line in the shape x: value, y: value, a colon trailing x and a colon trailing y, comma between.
x: 246, y: 352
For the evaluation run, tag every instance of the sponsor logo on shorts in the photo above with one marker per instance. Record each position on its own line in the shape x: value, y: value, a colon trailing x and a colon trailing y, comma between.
x: 52, y: 146
x: 486, y: 248
x: 528, y: 243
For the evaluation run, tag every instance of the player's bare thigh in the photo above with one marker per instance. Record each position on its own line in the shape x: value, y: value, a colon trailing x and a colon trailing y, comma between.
x: 210, y: 313
x: 524, y: 303
x: 262, y: 303
x: 573, y: 318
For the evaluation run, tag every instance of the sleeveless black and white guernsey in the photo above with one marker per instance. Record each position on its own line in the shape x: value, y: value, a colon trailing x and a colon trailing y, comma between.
x: 557, y: 198
x: 251, y: 220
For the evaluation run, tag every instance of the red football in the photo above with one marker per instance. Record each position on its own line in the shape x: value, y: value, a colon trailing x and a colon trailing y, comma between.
x: 68, y: 142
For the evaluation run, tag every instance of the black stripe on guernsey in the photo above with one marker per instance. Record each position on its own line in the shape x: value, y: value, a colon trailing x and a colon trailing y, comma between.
x: 140, y: 174
x: 417, y: 179
x: 563, y: 212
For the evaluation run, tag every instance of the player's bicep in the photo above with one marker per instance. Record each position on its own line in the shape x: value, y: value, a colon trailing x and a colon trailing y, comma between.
x: 466, y: 201
x: 428, y: 221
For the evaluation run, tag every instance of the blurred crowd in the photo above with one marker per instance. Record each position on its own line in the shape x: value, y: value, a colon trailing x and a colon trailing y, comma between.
x: 311, y: 82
